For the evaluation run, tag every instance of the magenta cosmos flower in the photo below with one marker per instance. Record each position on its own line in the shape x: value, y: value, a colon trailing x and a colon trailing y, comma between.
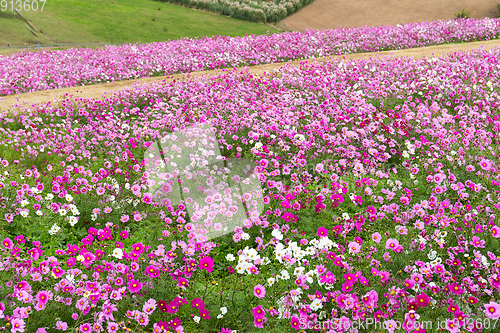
x: 207, y: 264
x: 198, y: 303
x: 322, y: 232
x: 294, y: 322
x: 7, y: 243
x: 258, y: 312
x: 42, y: 297
x: 134, y: 286
x: 85, y: 327
x: 259, y: 322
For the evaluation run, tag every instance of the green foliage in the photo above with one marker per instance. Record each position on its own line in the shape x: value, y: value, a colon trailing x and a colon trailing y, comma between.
x: 462, y: 14
x: 254, y: 11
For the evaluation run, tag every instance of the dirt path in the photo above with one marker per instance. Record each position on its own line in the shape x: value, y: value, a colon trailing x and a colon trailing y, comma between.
x: 330, y: 14
x: 97, y: 91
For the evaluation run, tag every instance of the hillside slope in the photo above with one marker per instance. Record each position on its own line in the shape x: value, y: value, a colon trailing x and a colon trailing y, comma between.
x: 124, y: 21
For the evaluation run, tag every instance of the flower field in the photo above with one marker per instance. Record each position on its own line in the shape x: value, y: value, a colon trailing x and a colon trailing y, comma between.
x: 27, y: 72
x: 377, y: 206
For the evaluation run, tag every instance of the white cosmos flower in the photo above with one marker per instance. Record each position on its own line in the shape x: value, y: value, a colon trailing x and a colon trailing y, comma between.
x: 240, y: 268
x: 230, y: 257
x: 117, y: 253
x: 70, y: 278
x: 298, y: 271
x: 73, y: 220
x: 271, y: 281
x: 316, y: 304
x: 55, y: 228
x: 432, y: 255
x: 285, y: 275
x: 485, y: 262
x: 277, y: 234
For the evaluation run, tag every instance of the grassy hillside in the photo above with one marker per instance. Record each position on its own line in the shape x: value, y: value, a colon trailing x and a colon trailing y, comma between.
x: 123, y: 21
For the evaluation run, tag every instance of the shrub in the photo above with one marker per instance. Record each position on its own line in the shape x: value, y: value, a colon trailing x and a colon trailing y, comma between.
x: 249, y: 10
x: 462, y: 14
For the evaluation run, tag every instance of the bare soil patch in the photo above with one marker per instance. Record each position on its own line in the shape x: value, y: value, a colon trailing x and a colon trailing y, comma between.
x: 332, y: 14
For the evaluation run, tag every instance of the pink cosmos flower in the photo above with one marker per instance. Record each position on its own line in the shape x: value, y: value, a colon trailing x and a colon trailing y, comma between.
x: 485, y: 164
x: 354, y: 247
x: 113, y: 327
x: 107, y: 310
x: 301, y: 281
x: 259, y: 291
x: 58, y: 271
x: 376, y: 237
x: 392, y: 244
x: 495, y: 231
x: 390, y: 325
x: 492, y: 310
x: 61, y: 325
x: 18, y: 325
x: 477, y: 242
x: 198, y: 303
